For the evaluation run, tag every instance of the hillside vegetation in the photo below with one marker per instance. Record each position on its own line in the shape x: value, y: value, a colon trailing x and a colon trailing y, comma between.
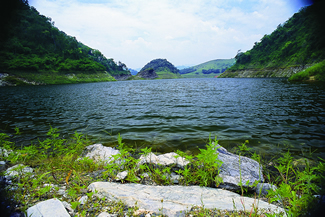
x: 298, y: 43
x: 32, y: 46
x: 208, y: 69
x: 163, y: 68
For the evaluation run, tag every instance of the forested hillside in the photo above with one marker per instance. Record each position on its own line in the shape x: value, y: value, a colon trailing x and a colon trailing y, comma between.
x: 298, y: 42
x: 208, y: 69
x: 162, y: 68
x: 32, y: 44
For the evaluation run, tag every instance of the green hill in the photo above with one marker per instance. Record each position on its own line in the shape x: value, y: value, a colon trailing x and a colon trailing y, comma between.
x: 32, y: 49
x: 208, y: 69
x: 292, y: 47
x: 163, y: 68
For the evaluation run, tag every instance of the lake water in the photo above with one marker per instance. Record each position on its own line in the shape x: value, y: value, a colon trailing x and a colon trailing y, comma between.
x: 273, y: 114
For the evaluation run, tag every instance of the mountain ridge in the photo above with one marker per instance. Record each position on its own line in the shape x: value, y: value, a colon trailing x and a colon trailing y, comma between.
x: 33, y: 48
x: 298, y: 43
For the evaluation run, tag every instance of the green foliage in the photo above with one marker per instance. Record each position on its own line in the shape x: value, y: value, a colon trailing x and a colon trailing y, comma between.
x: 55, y: 161
x: 204, y: 170
x: 160, y: 65
x: 35, y: 45
x: 243, y: 147
x: 315, y: 72
x: 299, y: 41
x: 208, y: 69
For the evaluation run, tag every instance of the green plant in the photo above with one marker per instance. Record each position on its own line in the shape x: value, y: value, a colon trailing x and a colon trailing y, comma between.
x: 243, y: 147
x: 296, y: 186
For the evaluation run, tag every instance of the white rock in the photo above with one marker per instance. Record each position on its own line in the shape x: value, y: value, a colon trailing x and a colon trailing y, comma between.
x: 149, y: 158
x: 121, y: 175
x: 100, y: 153
x: 177, y: 198
x: 17, y: 170
x: 172, y: 158
x: 48, y: 208
x: 164, y: 159
x: 4, y: 152
x: 83, y: 200
x: 68, y: 207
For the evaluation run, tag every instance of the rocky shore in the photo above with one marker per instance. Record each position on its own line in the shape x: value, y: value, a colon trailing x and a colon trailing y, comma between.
x: 145, y: 197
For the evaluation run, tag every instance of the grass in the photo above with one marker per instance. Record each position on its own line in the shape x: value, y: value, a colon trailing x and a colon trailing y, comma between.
x: 54, y: 77
x: 315, y: 72
x: 56, y: 164
x: 213, y: 64
x: 167, y: 75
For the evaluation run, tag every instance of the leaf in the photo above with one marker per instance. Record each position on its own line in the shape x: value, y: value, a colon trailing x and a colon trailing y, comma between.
x: 67, y: 178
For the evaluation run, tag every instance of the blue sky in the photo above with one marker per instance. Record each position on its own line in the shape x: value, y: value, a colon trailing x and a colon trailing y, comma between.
x: 185, y: 32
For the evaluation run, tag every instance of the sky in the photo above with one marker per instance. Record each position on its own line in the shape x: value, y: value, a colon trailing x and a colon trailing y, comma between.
x: 185, y: 32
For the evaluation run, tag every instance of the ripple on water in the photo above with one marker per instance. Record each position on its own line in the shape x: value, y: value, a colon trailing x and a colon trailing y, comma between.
x: 172, y: 114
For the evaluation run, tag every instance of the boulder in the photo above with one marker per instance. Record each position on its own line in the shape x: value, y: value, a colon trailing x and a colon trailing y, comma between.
x: 100, y: 153
x: 167, y: 159
x: 174, y: 200
x: 48, y: 208
x: 263, y: 188
x: 235, y: 167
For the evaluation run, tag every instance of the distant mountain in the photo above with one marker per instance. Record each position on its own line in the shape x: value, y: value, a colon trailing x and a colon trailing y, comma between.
x: 183, y: 66
x: 33, y: 49
x: 292, y: 47
x: 162, y: 68
x: 133, y: 71
x: 208, y: 69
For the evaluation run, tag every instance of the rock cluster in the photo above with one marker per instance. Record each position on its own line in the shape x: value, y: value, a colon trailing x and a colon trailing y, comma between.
x: 169, y: 200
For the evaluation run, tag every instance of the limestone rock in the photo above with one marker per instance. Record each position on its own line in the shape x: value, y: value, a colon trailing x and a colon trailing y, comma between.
x: 83, y: 200
x: 173, y: 200
x: 164, y: 159
x: 264, y: 187
x: 68, y: 207
x: 121, y: 175
x: 48, y: 208
x: 98, y: 153
x: 149, y: 158
x: 230, y: 171
x: 4, y: 152
x: 17, y: 170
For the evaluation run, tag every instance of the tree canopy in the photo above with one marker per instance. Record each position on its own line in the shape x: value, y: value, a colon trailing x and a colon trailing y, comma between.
x: 31, y: 42
x: 160, y: 65
x: 299, y: 41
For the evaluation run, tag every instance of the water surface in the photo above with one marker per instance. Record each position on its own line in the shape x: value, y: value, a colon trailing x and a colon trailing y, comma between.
x: 273, y: 114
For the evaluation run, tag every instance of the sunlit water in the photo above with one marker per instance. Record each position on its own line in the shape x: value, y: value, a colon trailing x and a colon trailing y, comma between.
x: 273, y: 114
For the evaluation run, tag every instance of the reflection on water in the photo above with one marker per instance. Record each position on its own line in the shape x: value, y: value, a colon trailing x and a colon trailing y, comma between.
x: 170, y: 114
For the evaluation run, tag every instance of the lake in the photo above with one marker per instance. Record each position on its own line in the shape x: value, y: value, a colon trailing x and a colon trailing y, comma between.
x: 273, y: 114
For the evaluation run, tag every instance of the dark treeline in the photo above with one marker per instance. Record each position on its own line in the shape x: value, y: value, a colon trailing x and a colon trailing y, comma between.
x: 215, y: 71
x: 31, y: 42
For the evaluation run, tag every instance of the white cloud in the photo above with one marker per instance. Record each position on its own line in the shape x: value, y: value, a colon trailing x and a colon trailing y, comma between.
x: 184, y: 32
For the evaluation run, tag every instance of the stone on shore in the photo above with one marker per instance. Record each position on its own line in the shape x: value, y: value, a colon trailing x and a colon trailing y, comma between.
x: 17, y: 170
x: 174, y: 200
x: 48, y: 208
x: 167, y: 159
x: 249, y: 170
x: 100, y: 153
x: 263, y: 188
